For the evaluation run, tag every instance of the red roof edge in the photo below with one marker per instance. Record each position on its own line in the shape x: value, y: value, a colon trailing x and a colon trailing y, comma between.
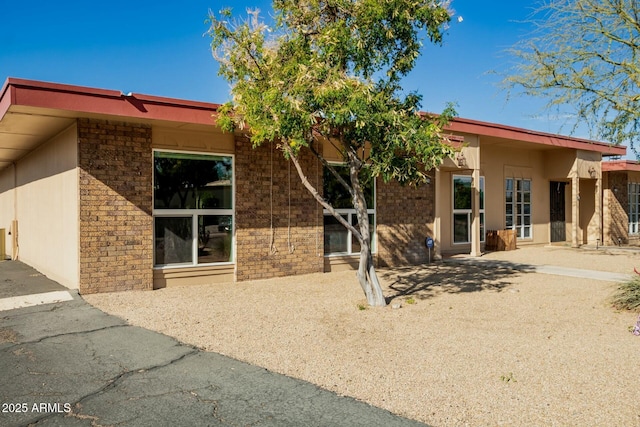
x: 510, y: 132
x: 6, y: 98
x: 86, y: 100
x: 621, y: 165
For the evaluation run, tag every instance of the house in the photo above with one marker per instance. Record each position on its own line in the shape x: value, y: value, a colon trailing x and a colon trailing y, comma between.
x: 105, y: 191
x: 621, y: 202
x: 546, y: 187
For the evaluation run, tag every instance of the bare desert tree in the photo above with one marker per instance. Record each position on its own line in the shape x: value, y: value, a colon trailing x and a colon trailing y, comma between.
x: 585, y: 54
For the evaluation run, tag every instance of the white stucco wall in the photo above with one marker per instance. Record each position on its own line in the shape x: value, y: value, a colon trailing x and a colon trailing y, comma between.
x: 47, y: 208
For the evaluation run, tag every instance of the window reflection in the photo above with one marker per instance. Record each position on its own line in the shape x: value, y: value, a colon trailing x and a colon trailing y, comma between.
x: 173, y: 240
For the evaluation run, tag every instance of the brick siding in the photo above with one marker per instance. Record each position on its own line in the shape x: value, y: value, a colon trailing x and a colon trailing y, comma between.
x: 279, y: 225
x: 404, y: 217
x: 616, y: 220
x: 270, y: 198
x: 116, y: 224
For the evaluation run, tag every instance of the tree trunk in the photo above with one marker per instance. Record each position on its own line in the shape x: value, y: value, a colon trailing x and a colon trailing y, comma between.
x: 366, y: 271
x: 369, y: 279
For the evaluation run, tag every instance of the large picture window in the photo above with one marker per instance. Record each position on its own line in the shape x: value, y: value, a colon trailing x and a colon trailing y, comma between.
x: 518, y: 206
x: 337, y: 239
x: 192, y: 209
x: 462, y: 213
x: 634, y: 208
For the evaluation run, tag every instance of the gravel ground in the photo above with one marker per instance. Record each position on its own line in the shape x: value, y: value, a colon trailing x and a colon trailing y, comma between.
x: 469, y: 346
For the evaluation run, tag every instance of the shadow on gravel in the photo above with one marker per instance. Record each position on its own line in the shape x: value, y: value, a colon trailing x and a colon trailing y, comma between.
x: 452, y: 276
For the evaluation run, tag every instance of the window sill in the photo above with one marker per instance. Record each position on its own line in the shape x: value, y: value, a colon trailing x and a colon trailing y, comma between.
x: 346, y: 254
x: 192, y: 266
x: 193, y: 275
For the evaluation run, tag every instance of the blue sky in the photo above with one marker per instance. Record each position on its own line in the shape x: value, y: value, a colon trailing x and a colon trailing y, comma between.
x: 159, y: 48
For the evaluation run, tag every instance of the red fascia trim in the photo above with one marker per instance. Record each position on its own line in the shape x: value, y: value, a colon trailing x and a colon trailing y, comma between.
x: 6, y: 98
x: 108, y: 102
x: 621, y: 165
x: 519, y: 134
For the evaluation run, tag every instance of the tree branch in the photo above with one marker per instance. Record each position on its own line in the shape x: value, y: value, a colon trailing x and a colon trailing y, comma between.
x: 331, y: 169
x: 316, y: 195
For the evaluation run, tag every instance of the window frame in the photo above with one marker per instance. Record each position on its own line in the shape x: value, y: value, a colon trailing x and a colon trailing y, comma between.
x: 468, y: 212
x: 518, y: 200
x: 195, y: 213
x: 351, y: 215
x: 633, y: 209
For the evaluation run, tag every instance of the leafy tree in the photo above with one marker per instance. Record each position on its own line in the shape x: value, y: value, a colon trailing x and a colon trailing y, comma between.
x: 330, y: 70
x: 586, y: 54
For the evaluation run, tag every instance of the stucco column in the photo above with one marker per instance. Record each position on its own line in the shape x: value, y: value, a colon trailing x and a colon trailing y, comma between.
x: 598, y: 212
x: 575, y: 211
x: 437, y: 236
x: 475, y: 213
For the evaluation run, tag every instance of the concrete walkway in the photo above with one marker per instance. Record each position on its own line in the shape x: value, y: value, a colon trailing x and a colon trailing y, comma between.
x: 69, y: 364
x: 543, y: 269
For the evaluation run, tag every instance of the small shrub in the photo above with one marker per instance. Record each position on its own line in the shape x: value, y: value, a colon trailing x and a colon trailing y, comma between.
x: 627, y: 296
x: 508, y: 378
x: 410, y: 300
x: 362, y: 307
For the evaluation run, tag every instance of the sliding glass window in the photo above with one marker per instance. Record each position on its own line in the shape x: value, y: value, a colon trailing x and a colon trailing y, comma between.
x: 192, y: 209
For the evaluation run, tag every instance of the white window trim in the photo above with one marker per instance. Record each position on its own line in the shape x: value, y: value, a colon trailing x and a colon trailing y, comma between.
x: 634, y: 222
x: 194, y: 213
x: 349, y: 213
x: 469, y: 212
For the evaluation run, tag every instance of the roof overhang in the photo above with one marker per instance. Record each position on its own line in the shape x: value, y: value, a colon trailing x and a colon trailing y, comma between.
x: 621, y: 165
x: 505, y: 133
x: 32, y: 112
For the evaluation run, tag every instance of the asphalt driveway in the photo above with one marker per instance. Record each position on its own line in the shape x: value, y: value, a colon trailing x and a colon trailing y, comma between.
x: 68, y: 363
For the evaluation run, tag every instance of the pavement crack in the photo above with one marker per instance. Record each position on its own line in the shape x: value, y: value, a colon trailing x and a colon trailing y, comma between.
x: 193, y: 352
x: 39, y: 340
x: 110, y: 384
